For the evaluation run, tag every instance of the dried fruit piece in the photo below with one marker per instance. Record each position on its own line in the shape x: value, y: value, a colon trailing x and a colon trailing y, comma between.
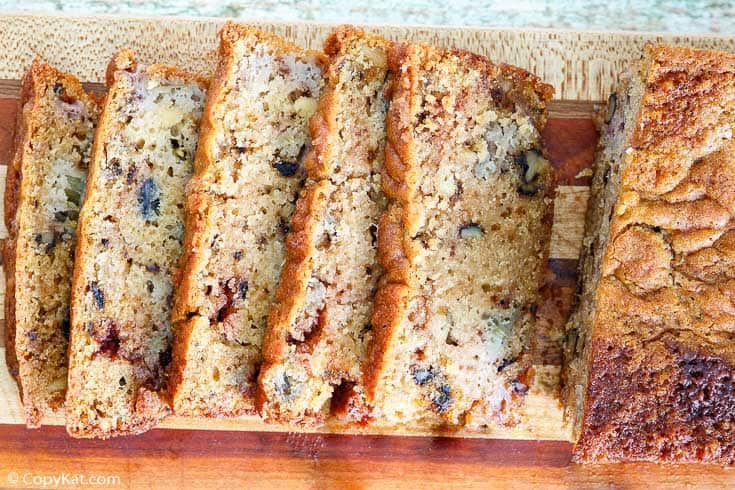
x: 421, y: 376
x: 47, y: 238
x: 99, y: 296
x: 75, y: 191
x: 148, y: 198
x: 287, y: 169
x: 243, y: 288
x: 442, y: 399
x: 284, y: 388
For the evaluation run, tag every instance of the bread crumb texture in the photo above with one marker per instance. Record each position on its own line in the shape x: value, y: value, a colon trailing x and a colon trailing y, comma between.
x: 44, y: 190
x: 320, y: 324
x: 130, y: 238
x: 249, y: 171
x: 659, y: 336
x: 464, y: 241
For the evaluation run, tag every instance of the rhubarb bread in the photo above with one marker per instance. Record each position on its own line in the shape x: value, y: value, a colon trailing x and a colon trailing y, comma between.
x: 130, y: 236
x: 319, y: 325
x: 464, y: 241
x: 44, y: 187
x: 650, y: 347
x: 248, y: 173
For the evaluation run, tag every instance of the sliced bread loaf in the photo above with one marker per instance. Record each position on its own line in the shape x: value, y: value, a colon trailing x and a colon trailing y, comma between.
x: 44, y: 187
x: 320, y: 323
x: 464, y: 241
x: 130, y: 236
x: 650, y: 347
x: 249, y: 170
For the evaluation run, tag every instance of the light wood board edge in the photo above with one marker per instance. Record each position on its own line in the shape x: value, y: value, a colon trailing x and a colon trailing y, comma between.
x: 580, y: 65
x: 542, y: 409
x: 567, y: 232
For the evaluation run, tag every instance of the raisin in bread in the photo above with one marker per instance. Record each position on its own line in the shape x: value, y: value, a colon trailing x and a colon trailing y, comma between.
x: 650, y: 345
x: 248, y: 174
x: 464, y: 241
x: 44, y: 187
x: 320, y: 323
x: 130, y: 236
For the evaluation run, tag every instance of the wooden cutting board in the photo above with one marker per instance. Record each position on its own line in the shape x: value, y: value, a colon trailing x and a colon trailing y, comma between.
x: 582, y: 66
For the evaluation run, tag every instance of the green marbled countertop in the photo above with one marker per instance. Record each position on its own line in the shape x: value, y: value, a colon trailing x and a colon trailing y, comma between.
x: 645, y: 15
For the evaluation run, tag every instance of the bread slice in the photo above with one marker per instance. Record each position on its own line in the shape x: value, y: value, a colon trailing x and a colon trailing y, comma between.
x: 653, y: 362
x: 43, y: 191
x: 130, y: 236
x: 248, y: 173
x: 319, y: 326
x: 464, y: 241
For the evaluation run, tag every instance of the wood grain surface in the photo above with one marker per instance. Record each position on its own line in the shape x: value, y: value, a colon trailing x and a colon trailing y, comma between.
x: 580, y: 65
x: 215, y: 454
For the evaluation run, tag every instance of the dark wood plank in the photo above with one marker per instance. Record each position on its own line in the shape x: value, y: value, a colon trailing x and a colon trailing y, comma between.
x: 8, y: 109
x: 215, y: 459
x: 571, y: 143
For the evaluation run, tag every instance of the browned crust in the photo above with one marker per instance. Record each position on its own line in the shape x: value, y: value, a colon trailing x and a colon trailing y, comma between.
x: 291, y: 290
x: 662, y: 360
x: 195, y: 220
x: 150, y: 408
x: 230, y: 34
x: 389, y: 306
x: 294, y: 278
x: 182, y: 339
x: 12, y: 194
x: 196, y: 208
x: 36, y: 80
x: 292, y: 286
x: 390, y: 300
x: 398, y: 182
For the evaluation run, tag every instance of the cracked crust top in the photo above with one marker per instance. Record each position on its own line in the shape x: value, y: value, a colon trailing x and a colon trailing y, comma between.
x: 662, y: 360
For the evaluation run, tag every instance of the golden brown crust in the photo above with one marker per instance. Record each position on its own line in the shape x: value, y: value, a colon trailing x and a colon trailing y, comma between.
x: 233, y: 32
x: 345, y: 45
x: 230, y: 34
x: 291, y: 290
x: 150, y: 405
x: 662, y: 360
x: 292, y: 285
x: 388, y: 309
x: 125, y: 60
x: 687, y: 101
x: 397, y: 249
x: 196, y: 222
x: 12, y: 191
x: 392, y: 295
x: 195, y: 217
x: 35, y: 82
